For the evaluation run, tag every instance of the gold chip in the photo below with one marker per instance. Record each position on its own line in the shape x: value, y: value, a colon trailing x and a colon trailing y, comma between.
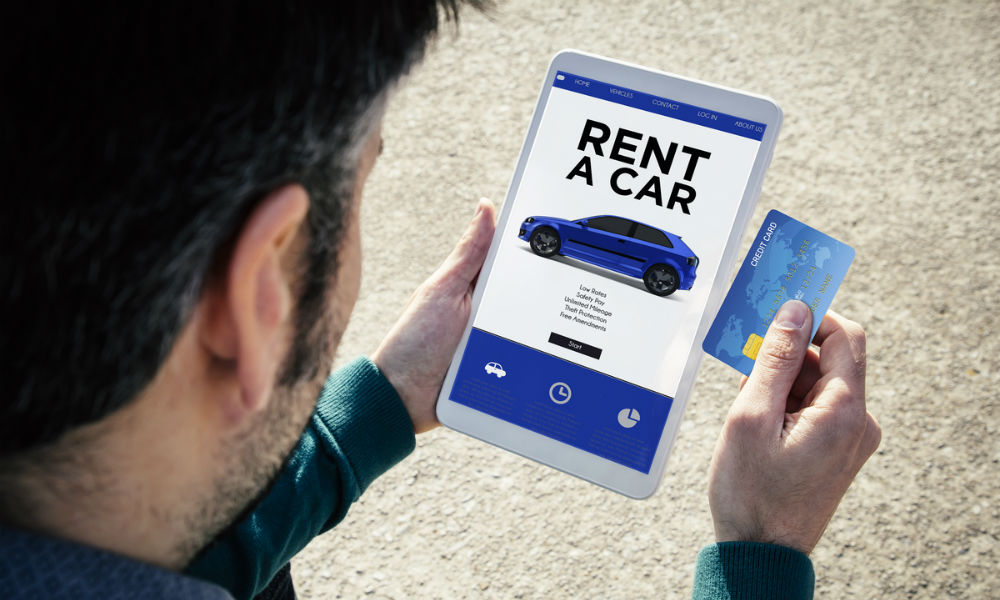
x: 752, y: 347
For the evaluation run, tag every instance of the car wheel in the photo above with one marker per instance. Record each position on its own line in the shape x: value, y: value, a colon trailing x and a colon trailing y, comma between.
x: 661, y: 280
x: 545, y: 241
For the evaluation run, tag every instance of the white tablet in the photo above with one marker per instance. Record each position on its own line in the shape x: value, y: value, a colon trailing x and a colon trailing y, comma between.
x: 612, y: 253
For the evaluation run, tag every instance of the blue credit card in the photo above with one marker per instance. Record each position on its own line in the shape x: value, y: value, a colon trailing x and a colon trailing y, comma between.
x: 788, y: 260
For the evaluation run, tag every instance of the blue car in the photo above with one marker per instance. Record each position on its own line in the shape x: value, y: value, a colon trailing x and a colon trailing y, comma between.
x: 661, y: 259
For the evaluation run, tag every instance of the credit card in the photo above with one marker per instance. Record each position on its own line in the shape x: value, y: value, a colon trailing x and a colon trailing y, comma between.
x: 787, y: 260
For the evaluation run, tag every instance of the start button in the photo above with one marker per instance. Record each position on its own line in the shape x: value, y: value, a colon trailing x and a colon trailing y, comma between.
x: 574, y: 345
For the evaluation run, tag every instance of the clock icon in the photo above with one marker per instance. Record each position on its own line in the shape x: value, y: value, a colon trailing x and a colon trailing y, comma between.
x: 560, y: 393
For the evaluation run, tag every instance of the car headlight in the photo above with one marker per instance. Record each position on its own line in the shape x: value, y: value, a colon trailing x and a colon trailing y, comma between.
x: 530, y: 220
x: 693, y: 261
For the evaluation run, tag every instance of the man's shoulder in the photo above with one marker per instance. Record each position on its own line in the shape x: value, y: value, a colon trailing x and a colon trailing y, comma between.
x: 37, y: 566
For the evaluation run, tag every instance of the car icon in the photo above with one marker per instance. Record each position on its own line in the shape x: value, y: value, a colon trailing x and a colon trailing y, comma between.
x: 495, y: 369
x: 660, y: 258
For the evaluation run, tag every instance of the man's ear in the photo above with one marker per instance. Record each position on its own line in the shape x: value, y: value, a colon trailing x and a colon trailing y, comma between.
x: 247, y: 321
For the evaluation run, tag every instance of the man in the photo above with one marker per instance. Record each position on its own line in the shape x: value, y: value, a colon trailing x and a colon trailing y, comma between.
x: 183, y: 253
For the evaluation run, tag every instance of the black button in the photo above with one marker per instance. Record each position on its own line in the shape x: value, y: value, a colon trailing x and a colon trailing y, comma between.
x: 565, y: 342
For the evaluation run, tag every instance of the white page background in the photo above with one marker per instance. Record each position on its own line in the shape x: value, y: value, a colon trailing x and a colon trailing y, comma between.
x: 648, y: 337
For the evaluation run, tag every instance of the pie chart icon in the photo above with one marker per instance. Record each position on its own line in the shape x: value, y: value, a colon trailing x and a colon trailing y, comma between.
x: 628, y: 417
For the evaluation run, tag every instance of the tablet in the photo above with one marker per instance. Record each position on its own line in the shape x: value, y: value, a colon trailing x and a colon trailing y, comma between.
x: 612, y: 253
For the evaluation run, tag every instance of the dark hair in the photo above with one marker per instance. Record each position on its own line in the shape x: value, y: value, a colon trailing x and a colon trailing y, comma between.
x: 136, y: 139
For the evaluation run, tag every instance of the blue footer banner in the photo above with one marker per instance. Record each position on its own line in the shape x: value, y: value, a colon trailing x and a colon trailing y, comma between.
x: 575, y: 405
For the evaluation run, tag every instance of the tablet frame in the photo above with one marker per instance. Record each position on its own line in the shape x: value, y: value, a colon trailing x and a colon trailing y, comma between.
x: 548, y: 451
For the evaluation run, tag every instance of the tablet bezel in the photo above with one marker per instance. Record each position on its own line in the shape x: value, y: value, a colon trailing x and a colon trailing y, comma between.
x: 559, y: 455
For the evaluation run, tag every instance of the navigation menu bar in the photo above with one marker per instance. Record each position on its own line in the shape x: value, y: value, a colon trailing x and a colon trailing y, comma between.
x: 660, y: 106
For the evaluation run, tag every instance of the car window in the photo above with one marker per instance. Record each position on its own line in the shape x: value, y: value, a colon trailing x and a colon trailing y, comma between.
x: 610, y: 224
x: 653, y: 236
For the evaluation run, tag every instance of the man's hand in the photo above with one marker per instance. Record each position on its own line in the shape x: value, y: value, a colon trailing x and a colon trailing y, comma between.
x: 415, y: 355
x: 796, y: 435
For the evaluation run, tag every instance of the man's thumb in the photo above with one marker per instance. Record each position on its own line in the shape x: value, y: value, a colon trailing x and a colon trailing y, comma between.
x: 465, y: 261
x: 781, y: 355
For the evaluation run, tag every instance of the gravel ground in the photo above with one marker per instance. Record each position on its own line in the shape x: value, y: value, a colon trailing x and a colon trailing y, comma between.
x: 890, y: 143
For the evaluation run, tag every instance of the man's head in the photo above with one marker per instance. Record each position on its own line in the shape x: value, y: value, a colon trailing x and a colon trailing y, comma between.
x: 181, y: 191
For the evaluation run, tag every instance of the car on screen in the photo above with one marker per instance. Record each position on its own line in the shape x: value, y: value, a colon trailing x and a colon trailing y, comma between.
x: 659, y: 258
x: 493, y: 368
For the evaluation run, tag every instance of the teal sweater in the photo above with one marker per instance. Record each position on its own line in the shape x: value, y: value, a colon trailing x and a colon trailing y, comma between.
x: 360, y: 430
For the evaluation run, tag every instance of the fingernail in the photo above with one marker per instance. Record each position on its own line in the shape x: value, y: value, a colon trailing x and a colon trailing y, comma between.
x: 479, y: 208
x: 792, y: 314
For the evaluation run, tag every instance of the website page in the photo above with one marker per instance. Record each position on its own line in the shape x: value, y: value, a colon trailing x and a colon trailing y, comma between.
x: 615, y: 239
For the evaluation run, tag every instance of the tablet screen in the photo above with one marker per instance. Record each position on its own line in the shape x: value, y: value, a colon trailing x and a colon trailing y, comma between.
x: 614, y: 240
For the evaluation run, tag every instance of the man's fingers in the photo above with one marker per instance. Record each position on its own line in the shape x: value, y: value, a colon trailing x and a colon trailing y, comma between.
x: 872, y: 437
x: 779, y: 359
x: 834, y: 322
x: 465, y: 261
x: 809, y: 374
x: 842, y: 351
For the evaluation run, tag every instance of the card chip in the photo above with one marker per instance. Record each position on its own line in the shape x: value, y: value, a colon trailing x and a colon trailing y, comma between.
x: 752, y: 347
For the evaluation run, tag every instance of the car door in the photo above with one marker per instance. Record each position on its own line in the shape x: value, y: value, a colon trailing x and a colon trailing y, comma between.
x: 603, y: 241
x: 653, y: 245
